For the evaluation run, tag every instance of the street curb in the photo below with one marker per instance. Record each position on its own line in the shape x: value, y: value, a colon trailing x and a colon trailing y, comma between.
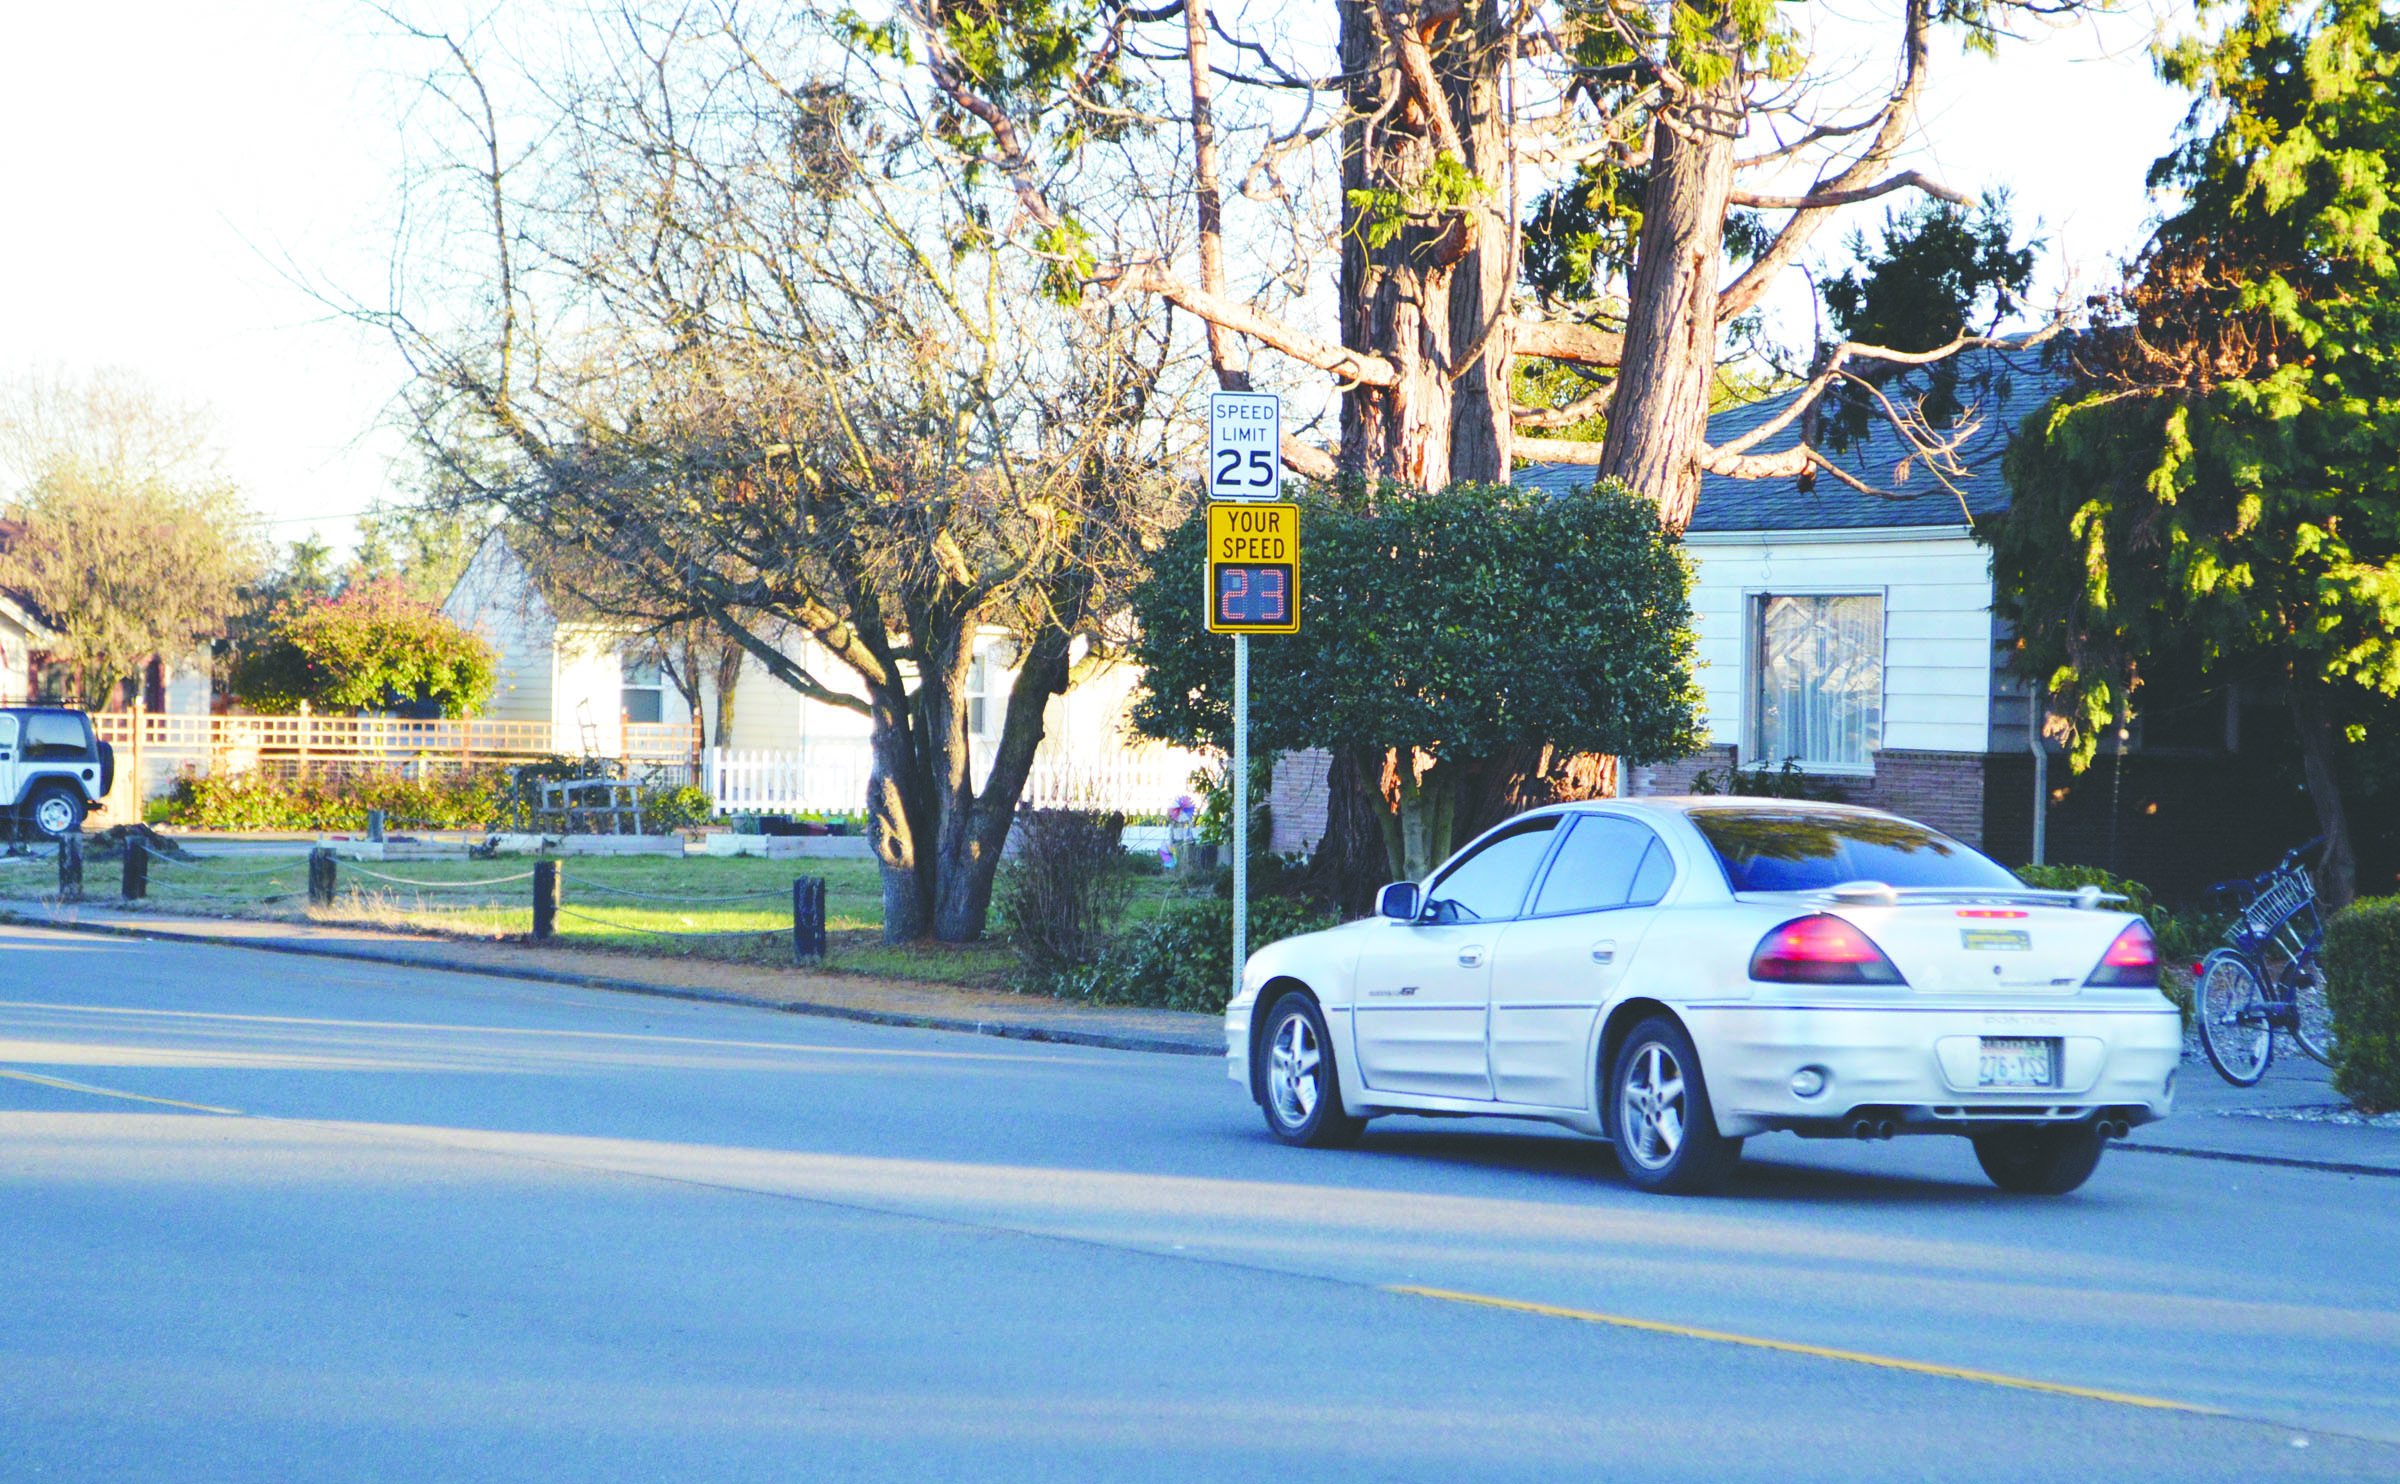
x: 1008, y: 1030
x: 2325, y: 1166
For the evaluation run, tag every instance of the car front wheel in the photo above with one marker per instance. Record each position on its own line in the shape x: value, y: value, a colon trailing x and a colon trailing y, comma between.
x: 1301, y: 1094
x: 54, y: 809
x: 1666, y: 1134
x: 2046, y: 1161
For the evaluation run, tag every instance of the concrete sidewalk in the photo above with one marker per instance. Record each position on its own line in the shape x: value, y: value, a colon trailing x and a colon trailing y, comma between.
x: 2293, y: 1117
x: 802, y: 991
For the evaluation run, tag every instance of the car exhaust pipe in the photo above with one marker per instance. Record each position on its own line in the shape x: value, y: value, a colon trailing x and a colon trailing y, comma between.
x: 1863, y: 1129
x: 1885, y: 1129
x: 2114, y: 1128
x: 1873, y: 1128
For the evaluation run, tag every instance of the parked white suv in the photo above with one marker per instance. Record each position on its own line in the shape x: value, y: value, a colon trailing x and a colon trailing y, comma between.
x: 53, y: 770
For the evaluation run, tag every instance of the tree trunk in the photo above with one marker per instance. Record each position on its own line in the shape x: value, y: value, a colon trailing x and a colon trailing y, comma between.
x: 1425, y: 280
x: 2337, y: 876
x: 729, y: 677
x: 1658, y: 419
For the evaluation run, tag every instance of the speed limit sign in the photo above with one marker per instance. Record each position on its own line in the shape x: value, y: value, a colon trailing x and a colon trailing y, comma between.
x: 1245, y: 446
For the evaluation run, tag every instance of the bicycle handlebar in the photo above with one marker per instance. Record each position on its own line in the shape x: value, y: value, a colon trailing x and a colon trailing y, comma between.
x: 2291, y: 858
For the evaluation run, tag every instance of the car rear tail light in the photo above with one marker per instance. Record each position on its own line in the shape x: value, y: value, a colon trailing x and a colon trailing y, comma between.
x: 1821, y: 950
x: 2131, y: 962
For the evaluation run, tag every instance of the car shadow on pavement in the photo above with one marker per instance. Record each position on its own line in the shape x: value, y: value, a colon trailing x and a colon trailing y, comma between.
x: 1781, y: 1170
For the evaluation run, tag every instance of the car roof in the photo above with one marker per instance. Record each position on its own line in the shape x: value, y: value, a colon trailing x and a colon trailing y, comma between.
x: 1689, y: 803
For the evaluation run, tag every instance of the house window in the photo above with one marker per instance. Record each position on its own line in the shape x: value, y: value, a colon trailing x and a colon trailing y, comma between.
x: 983, y: 704
x: 644, y: 695
x: 1818, y: 695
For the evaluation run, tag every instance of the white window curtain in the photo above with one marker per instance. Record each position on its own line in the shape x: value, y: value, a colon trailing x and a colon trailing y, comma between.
x: 1820, y: 680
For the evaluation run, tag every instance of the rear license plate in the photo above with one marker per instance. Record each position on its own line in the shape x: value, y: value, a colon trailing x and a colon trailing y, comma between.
x: 1995, y: 940
x: 2017, y: 1061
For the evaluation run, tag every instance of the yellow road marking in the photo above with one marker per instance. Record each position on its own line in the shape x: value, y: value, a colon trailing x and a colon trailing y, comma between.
x: 1793, y: 1347
x: 110, y: 1092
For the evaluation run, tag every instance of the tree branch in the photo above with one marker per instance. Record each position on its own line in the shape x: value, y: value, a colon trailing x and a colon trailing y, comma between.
x: 1348, y: 364
x: 1820, y: 200
x: 1560, y: 340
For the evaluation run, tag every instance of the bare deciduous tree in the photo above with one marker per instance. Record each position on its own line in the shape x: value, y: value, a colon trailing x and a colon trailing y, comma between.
x: 748, y: 341
x: 133, y: 542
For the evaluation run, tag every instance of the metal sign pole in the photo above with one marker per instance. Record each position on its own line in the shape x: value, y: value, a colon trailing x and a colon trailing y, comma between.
x: 1241, y: 807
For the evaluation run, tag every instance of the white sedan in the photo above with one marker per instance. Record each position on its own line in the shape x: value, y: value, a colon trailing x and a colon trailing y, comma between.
x: 1676, y: 975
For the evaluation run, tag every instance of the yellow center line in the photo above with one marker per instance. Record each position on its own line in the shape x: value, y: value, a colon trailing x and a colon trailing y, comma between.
x: 1793, y: 1347
x: 110, y: 1092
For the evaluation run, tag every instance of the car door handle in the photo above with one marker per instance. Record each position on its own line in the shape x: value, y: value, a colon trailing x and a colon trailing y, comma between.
x: 1604, y: 951
x: 1470, y: 957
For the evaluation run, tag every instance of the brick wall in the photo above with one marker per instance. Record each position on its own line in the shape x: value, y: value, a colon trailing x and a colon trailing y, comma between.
x: 1942, y: 789
x: 1675, y: 776
x: 1297, y: 801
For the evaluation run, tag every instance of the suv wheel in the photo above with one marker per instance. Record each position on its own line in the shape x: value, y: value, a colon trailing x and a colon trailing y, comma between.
x: 54, y: 809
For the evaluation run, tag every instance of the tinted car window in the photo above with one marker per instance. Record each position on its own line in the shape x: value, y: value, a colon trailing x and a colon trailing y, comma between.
x: 55, y: 736
x: 1491, y: 883
x: 1651, y: 882
x: 8, y: 733
x: 1793, y: 850
x: 1596, y: 867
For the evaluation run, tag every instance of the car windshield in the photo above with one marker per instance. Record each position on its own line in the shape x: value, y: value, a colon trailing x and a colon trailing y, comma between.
x: 1796, y: 850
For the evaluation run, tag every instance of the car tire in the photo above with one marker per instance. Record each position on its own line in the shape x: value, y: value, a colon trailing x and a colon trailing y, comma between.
x: 54, y: 809
x: 1299, y: 1089
x: 1659, y: 1114
x: 2041, y: 1161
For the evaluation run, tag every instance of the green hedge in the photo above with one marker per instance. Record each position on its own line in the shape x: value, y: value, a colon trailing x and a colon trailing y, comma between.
x: 1181, y: 959
x: 485, y: 798
x: 2362, y: 981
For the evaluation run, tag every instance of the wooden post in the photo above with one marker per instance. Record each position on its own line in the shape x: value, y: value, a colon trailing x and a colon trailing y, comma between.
x: 137, y: 867
x: 545, y: 900
x: 808, y: 919
x: 130, y: 777
x: 70, y: 866
x: 320, y: 877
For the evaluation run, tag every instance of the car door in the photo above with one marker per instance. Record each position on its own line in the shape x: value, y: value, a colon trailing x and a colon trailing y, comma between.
x: 8, y: 759
x: 1419, y: 1011
x: 1555, y: 968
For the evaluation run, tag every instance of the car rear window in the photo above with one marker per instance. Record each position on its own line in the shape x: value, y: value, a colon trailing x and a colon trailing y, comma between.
x: 55, y: 736
x: 1794, y: 850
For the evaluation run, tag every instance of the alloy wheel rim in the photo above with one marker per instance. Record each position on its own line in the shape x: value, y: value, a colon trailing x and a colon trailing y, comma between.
x: 1653, y: 1107
x: 1295, y: 1071
x: 54, y: 816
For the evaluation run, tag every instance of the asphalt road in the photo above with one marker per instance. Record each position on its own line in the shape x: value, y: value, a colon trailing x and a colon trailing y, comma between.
x: 378, y: 1223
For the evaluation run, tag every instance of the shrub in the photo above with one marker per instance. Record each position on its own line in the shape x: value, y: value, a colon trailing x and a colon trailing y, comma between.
x: 484, y: 798
x: 1065, y: 888
x: 2362, y: 983
x: 1182, y: 959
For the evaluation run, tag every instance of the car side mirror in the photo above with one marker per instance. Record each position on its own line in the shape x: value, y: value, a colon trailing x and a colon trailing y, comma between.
x: 1398, y: 901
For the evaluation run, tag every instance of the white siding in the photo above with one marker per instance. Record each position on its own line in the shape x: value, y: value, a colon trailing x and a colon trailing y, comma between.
x: 495, y: 598
x: 1937, y: 624
x: 587, y: 689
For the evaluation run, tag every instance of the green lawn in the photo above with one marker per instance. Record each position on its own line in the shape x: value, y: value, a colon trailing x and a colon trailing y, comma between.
x: 605, y: 902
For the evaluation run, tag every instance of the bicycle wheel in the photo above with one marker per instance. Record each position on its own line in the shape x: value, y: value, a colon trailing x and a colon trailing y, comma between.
x: 2229, y: 1005
x: 2312, y: 1031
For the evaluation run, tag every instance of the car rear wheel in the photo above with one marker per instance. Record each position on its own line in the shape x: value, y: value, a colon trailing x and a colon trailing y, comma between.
x: 1301, y: 1094
x: 1666, y: 1134
x: 2042, y: 1161
x: 53, y: 809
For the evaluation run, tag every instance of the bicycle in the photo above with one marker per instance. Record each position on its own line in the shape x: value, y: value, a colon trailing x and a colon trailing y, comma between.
x: 2266, y: 979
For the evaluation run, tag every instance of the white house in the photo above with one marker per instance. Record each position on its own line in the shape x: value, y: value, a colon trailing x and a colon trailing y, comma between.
x: 1853, y: 633
x: 590, y: 679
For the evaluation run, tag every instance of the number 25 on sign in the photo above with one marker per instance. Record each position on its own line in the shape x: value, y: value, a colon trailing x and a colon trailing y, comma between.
x: 1253, y: 568
x: 1245, y: 443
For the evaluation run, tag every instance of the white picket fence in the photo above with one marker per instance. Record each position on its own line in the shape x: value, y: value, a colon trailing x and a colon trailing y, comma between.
x: 831, y: 777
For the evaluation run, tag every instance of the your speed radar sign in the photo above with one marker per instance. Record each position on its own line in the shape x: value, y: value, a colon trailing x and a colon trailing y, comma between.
x: 1253, y: 569
x: 1245, y: 446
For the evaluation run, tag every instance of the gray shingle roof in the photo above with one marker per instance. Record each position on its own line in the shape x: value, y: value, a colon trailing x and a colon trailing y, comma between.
x: 1999, y: 388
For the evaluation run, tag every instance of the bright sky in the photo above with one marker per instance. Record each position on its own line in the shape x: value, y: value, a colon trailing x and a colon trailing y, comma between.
x: 176, y: 166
